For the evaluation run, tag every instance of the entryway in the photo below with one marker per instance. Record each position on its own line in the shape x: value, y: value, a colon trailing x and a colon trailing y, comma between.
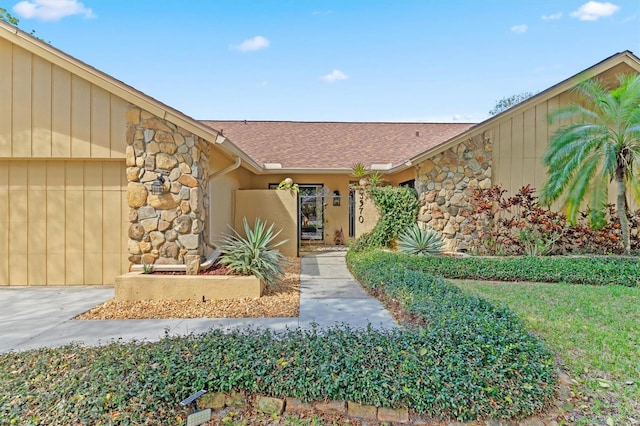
x: 312, y: 203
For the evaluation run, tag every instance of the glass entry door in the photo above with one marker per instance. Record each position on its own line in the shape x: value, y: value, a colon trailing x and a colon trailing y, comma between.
x: 311, y: 212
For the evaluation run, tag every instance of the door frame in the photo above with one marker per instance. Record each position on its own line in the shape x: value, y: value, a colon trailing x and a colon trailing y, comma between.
x: 311, y: 217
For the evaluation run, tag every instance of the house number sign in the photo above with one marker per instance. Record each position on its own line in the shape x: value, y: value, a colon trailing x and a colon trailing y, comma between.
x: 361, y: 207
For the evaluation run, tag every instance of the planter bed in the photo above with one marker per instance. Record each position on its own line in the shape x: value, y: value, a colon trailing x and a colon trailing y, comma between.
x: 139, y: 286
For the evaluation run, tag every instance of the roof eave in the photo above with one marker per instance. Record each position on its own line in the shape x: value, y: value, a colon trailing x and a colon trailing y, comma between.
x: 305, y: 171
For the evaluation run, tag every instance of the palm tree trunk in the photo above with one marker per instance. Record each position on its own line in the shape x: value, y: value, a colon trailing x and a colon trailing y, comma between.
x: 621, y: 207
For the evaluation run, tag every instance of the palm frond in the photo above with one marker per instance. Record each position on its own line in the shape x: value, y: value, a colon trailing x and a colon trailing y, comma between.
x: 578, y: 187
x: 598, y: 198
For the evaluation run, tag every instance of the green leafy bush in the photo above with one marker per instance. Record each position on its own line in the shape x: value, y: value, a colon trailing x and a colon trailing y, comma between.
x: 482, y: 359
x: 591, y: 270
x: 416, y: 240
x: 398, y: 208
x: 254, y: 255
x: 468, y: 371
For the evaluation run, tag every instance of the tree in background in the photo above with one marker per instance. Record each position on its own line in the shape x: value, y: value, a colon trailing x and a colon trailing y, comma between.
x: 600, y: 144
x: 506, y: 103
x: 7, y: 17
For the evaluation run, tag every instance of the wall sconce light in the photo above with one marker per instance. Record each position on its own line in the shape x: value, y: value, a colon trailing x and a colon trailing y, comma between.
x: 336, y: 198
x: 157, y: 186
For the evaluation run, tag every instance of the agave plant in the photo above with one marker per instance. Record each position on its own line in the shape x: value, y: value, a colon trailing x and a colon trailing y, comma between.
x: 415, y: 240
x: 254, y: 255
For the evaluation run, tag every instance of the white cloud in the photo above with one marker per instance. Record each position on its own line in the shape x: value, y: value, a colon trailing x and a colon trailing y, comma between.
x: 51, y: 10
x: 322, y: 12
x: 552, y: 17
x: 593, y: 10
x: 459, y: 117
x: 519, y: 29
x: 256, y: 43
x: 335, y: 76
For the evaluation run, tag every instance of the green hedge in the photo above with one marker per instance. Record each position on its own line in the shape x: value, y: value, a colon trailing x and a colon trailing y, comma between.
x: 485, y: 359
x: 471, y: 370
x: 593, y: 270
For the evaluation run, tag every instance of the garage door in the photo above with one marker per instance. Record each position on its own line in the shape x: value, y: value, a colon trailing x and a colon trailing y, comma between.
x: 62, y: 222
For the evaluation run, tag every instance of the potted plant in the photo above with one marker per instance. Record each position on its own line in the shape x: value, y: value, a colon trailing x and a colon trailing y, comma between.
x: 288, y: 184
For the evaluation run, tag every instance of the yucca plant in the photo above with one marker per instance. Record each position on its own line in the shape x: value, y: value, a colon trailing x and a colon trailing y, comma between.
x: 359, y: 170
x: 376, y: 179
x: 254, y: 255
x: 415, y: 240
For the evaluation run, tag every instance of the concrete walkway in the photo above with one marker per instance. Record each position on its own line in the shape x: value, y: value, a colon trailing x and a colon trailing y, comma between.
x: 34, y: 317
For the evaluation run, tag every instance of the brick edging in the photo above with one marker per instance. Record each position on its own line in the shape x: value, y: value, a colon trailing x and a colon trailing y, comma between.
x: 269, y: 405
x: 219, y: 401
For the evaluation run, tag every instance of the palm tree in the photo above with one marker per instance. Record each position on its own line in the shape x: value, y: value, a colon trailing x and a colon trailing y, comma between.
x: 601, y: 144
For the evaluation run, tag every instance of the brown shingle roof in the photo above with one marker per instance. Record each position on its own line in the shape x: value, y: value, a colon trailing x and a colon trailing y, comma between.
x: 322, y: 145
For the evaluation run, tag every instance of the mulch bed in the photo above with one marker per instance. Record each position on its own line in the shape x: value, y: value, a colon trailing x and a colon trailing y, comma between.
x: 216, y: 269
x: 281, y: 300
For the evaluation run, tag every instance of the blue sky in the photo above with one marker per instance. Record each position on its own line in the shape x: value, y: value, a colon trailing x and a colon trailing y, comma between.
x: 349, y: 60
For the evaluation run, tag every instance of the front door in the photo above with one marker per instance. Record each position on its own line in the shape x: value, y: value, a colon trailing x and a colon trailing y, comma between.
x: 311, y: 212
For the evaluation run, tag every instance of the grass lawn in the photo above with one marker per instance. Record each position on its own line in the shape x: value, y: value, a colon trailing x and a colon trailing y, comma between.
x: 594, y: 331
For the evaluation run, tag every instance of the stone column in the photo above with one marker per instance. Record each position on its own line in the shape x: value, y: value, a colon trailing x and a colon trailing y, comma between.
x: 446, y: 182
x: 166, y: 228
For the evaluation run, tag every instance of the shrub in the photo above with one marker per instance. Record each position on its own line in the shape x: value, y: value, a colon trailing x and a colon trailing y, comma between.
x: 398, y: 207
x: 517, y: 225
x: 590, y: 270
x: 254, y: 255
x: 416, y: 240
x: 480, y: 360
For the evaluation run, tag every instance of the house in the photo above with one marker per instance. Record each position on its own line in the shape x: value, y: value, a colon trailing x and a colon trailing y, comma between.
x: 319, y: 158
x: 96, y: 176
x: 445, y: 162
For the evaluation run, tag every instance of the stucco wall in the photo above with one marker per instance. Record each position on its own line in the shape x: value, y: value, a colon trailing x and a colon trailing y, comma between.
x: 221, y: 191
x: 336, y: 217
x: 277, y: 207
x: 367, y: 214
x: 400, y: 177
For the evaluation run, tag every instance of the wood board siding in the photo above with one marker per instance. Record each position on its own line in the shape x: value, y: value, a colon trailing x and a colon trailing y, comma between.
x: 62, y: 222
x: 520, y: 143
x: 47, y: 112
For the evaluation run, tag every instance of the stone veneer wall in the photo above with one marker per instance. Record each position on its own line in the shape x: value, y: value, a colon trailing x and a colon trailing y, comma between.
x: 165, y: 229
x: 446, y: 183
